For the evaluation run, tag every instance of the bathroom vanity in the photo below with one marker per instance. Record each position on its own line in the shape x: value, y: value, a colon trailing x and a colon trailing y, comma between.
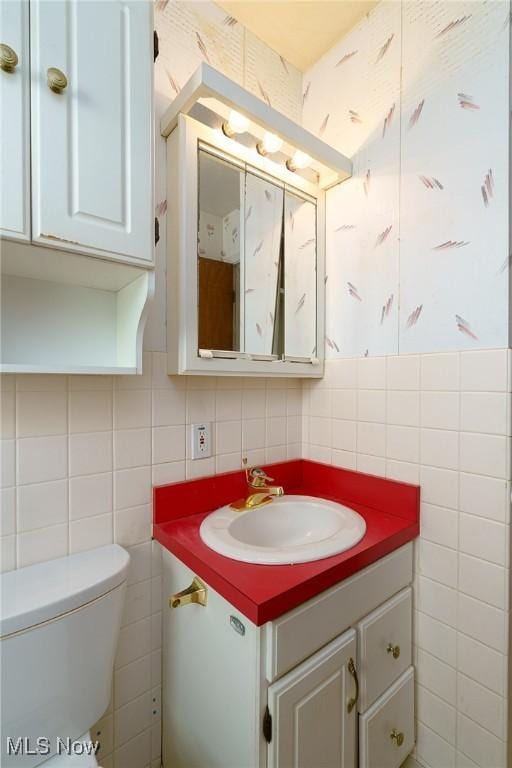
x: 291, y: 665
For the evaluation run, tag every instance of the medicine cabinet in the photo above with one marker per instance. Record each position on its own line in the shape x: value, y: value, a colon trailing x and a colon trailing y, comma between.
x: 246, y: 234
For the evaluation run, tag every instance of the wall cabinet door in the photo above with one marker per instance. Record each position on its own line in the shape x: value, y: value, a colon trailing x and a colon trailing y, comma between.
x: 311, y: 724
x: 92, y: 141
x: 15, y: 122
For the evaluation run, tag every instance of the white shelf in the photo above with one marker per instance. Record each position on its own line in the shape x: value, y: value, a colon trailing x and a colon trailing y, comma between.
x: 66, y: 313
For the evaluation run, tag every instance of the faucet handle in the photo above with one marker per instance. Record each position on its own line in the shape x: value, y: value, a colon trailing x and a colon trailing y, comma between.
x: 257, y: 477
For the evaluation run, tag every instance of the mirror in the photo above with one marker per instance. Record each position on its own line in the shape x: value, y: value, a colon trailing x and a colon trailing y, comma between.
x: 218, y: 253
x: 300, y: 276
x: 262, y: 264
x: 256, y: 262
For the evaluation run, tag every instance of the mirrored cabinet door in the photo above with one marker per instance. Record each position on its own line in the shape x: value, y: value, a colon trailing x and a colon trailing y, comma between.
x: 262, y: 265
x: 300, y: 260
x: 219, y: 240
x: 245, y: 269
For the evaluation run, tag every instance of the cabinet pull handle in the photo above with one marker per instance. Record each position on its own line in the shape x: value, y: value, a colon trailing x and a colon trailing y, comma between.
x: 397, y: 737
x: 352, y: 670
x: 394, y: 650
x: 57, y: 80
x: 8, y: 58
x: 195, y: 593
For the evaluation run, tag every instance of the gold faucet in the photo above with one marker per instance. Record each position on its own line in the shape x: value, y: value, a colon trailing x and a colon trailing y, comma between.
x: 257, y: 479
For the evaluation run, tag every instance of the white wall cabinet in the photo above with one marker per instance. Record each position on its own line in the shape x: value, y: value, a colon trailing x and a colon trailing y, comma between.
x: 15, y: 122
x: 288, y: 694
x: 92, y: 142
x: 90, y: 184
x: 76, y: 181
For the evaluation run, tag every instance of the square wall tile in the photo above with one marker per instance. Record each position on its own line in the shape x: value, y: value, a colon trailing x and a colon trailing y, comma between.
x: 42, y: 504
x: 484, y: 496
x: 90, y: 495
x: 90, y: 532
x: 371, y: 439
x: 132, y: 448
x: 484, y: 454
x: 440, y: 371
x: 43, y: 544
x: 168, y: 407
x: 132, y: 408
x: 484, y: 370
x: 482, y: 622
x: 439, y: 448
x: 483, y: 580
x: 439, y: 487
x: 403, y: 372
x: 132, y: 487
x: 403, y: 408
x: 371, y: 372
x: 41, y: 413
x: 228, y: 437
x: 344, y: 404
x: 90, y: 453
x: 481, y: 663
x: 90, y: 411
x: 42, y: 458
x: 487, y: 412
x: 228, y: 405
x: 371, y: 405
x: 133, y: 525
x: 483, y: 538
x: 168, y: 444
x: 403, y: 443
x: 440, y: 410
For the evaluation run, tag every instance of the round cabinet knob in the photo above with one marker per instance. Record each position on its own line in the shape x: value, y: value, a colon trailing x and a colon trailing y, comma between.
x: 8, y: 58
x: 397, y: 737
x: 394, y: 650
x: 57, y: 80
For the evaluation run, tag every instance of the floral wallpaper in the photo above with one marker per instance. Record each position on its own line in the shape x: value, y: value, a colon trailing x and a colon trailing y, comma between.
x: 417, y: 241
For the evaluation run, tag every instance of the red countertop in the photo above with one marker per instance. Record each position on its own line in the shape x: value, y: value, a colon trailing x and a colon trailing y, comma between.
x: 264, y: 592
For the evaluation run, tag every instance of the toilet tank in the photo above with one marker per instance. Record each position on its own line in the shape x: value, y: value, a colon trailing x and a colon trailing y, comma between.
x: 59, y: 627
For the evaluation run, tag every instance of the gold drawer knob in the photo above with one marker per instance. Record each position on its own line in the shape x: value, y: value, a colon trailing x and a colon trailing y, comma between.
x: 8, y: 58
x: 394, y: 650
x: 195, y: 593
x: 57, y: 80
x: 397, y: 737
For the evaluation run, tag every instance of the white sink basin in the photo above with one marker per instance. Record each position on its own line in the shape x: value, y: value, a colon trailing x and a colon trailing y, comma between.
x: 291, y: 529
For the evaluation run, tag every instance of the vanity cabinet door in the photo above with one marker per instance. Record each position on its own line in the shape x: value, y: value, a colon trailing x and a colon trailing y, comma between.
x: 15, y: 123
x: 92, y: 65
x: 311, y: 724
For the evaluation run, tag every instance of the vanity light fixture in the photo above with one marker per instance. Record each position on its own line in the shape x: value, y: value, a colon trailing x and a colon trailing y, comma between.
x: 271, y: 143
x: 237, y: 123
x: 299, y: 161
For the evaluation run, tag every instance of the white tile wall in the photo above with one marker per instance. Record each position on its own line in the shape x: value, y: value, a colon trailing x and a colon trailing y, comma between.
x: 80, y: 456
x: 441, y: 420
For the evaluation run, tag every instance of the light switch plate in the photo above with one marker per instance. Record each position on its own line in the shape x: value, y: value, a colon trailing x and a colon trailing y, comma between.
x: 200, y: 440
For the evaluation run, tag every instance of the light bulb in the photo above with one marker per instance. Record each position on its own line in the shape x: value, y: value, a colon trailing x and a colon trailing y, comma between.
x: 299, y: 160
x: 271, y: 143
x: 237, y: 123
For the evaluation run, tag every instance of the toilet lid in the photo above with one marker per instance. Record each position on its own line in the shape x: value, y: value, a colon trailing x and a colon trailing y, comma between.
x: 38, y: 593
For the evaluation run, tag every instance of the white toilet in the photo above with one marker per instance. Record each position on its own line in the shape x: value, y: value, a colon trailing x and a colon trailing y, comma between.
x: 59, y: 626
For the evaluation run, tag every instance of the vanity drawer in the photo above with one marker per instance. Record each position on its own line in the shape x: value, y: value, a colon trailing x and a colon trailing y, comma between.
x: 384, y: 646
x: 301, y: 632
x: 386, y: 730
